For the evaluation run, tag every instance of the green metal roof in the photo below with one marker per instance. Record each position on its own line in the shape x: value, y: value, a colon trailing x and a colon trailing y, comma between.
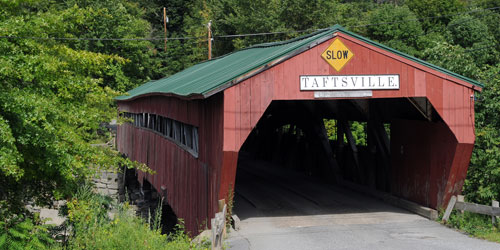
x: 210, y: 77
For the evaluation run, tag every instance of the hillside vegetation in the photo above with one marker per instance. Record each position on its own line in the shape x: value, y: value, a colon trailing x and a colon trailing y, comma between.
x: 61, y: 65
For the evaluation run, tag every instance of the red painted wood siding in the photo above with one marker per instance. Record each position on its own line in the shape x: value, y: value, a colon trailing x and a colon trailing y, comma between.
x: 192, y: 183
x: 428, y: 169
x: 245, y: 103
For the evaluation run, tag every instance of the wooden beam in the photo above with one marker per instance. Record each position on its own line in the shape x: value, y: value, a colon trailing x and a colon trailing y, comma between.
x: 222, y: 209
x: 352, y: 143
x: 423, y: 106
x: 378, y: 137
x: 470, y: 207
x: 322, y: 134
x: 399, y: 202
x: 449, y: 208
x: 320, y: 130
x: 477, y: 208
x: 383, y: 150
x: 461, y: 198
x: 363, y: 106
x: 494, y: 218
x: 383, y: 137
x: 349, y: 136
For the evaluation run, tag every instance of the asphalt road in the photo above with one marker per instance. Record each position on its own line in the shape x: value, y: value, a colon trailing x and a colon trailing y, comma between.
x: 287, y: 210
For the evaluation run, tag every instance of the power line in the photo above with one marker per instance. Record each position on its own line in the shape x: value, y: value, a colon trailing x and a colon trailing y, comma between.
x: 98, y: 39
x: 268, y: 33
x: 425, y: 18
x: 154, y: 38
x: 481, y: 48
x: 233, y: 35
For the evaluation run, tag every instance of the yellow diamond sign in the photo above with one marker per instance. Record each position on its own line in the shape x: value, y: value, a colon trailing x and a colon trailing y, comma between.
x: 337, y: 55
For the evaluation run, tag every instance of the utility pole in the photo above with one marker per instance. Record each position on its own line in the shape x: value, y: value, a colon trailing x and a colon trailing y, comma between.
x: 165, y: 21
x: 209, y: 40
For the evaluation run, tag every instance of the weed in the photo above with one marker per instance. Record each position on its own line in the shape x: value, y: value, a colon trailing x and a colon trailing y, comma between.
x: 230, y: 204
x: 476, y: 225
x: 93, y: 229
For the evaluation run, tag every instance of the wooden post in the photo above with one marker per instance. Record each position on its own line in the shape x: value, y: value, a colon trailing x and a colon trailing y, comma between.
x: 340, y: 145
x: 218, y: 226
x: 222, y: 204
x: 318, y: 126
x: 450, y: 207
x: 165, y: 21
x: 494, y: 218
x: 380, y: 139
x: 214, y: 234
x: 350, y: 139
x: 460, y: 198
x: 209, y: 40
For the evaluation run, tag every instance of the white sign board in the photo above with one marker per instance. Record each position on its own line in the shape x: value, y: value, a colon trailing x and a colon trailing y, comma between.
x: 349, y: 82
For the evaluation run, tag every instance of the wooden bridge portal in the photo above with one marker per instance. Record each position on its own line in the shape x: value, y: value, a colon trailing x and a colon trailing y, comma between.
x: 272, y: 100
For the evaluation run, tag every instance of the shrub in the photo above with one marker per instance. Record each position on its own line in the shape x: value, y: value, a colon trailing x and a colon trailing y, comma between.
x: 21, y: 232
x: 476, y: 225
x: 94, y: 229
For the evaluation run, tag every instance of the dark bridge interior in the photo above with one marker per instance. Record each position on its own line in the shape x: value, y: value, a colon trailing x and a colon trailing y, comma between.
x: 300, y: 150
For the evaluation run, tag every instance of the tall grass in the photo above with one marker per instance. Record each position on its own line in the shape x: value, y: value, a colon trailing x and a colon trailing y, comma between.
x: 476, y: 225
x: 93, y: 229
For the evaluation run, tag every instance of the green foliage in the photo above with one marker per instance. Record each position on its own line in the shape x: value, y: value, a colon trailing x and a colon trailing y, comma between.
x: 453, y: 58
x: 441, y: 11
x: 483, y: 177
x: 111, y: 19
x: 331, y: 128
x: 396, y: 26
x: 24, y: 233
x: 54, y: 98
x: 230, y: 206
x: 56, y: 93
x: 475, y: 224
x: 86, y: 210
x: 93, y: 229
x: 466, y: 31
x: 9, y: 156
x: 359, y: 132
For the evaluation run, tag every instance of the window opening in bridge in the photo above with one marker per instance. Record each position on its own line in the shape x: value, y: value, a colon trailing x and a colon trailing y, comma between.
x: 359, y: 132
x: 182, y: 134
x: 387, y: 127
x: 331, y: 129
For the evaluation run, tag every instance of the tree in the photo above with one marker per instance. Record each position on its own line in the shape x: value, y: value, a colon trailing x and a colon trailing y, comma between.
x: 434, y: 15
x: 53, y: 100
x: 483, y: 177
x: 395, y: 26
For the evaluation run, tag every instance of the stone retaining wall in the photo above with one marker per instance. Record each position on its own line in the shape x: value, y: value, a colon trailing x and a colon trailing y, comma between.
x: 111, y: 184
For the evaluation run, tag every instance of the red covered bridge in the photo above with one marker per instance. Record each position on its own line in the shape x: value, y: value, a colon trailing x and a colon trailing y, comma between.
x: 271, y: 101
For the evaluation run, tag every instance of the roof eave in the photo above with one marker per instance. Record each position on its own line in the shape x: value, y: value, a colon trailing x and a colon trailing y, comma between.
x: 182, y: 97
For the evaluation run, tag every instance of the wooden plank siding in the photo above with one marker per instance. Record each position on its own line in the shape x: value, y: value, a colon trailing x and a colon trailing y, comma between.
x: 191, y: 182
